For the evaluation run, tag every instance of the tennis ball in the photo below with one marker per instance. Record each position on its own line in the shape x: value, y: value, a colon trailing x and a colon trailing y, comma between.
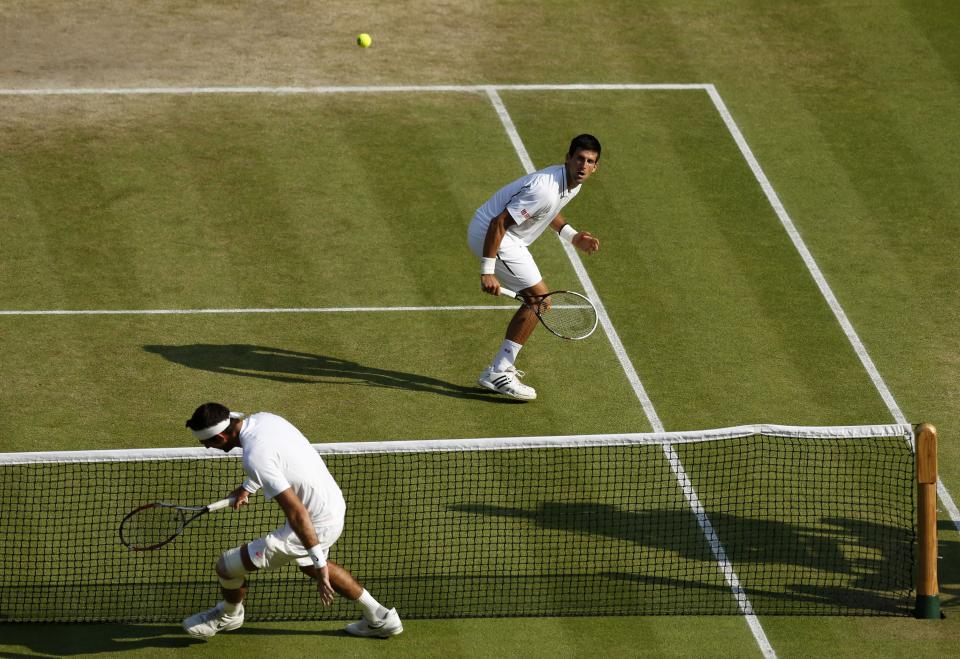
x: 364, y: 40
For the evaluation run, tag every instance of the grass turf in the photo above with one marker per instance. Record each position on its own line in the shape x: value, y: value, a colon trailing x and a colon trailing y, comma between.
x: 848, y: 107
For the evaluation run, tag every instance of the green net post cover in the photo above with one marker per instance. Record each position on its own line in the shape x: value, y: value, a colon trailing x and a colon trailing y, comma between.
x: 928, y: 607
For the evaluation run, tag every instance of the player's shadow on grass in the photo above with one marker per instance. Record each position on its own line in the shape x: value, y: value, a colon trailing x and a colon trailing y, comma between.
x: 291, y: 366
x: 64, y: 640
x: 866, y: 563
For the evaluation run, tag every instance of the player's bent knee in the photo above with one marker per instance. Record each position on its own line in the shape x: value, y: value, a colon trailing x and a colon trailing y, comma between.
x: 231, y: 570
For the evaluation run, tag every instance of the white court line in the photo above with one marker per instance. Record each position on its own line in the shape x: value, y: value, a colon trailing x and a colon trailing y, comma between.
x: 719, y: 553
x: 822, y: 284
x: 122, y: 91
x: 161, y: 312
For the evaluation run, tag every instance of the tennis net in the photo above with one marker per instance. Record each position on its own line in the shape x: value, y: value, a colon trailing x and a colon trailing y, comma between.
x: 753, y: 519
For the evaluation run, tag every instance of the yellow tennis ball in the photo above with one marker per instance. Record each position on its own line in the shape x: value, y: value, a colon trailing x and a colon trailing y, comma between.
x: 364, y: 40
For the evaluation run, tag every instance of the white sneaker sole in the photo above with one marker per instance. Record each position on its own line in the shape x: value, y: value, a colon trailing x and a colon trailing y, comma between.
x: 374, y: 632
x: 492, y: 387
x: 226, y: 628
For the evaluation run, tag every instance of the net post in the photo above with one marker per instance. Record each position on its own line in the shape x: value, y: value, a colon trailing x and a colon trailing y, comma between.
x: 928, y: 601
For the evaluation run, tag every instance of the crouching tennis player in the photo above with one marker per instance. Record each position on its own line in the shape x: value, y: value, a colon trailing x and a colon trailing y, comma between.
x: 280, y: 460
x: 501, y: 232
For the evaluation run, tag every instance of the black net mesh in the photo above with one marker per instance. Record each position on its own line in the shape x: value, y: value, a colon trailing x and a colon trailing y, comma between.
x: 808, y: 526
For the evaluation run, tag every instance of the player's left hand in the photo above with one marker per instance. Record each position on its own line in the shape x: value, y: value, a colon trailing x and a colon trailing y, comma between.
x: 585, y: 242
x: 323, y: 585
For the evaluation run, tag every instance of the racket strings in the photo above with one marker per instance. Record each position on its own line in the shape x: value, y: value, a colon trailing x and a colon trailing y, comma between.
x: 151, y: 526
x: 568, y: 315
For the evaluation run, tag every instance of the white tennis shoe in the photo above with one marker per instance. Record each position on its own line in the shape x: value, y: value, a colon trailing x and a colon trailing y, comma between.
x: 208, y: 623
x: 389, y: 626
x: 507, y: 383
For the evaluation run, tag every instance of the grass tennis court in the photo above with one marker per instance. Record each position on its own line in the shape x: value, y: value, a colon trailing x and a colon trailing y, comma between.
x: 274, y: 249
x: 330, y: 201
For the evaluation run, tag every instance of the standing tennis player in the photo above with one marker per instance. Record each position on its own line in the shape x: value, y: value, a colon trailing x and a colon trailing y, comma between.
x: 501, y: 233
x: 278, y: 459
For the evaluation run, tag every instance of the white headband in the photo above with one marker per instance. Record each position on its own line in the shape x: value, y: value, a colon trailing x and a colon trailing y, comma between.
x: 212, y: 431
x: 216, y: 429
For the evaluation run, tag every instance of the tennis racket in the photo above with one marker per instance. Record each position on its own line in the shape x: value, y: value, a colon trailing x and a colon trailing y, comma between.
x: 566, y: 314
x: 153, y: 525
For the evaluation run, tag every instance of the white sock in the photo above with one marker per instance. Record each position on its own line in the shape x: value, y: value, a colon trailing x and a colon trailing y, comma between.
x: 372, y: 609
x: 506, y: 356
x: 230, y: 608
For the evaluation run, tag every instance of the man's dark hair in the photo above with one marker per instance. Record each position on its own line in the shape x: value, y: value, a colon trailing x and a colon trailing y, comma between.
x: 208, y: 414
x: 584, y: 142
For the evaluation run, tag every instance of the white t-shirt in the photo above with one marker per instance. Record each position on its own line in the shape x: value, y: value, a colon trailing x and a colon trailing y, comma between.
x: 532, y: 201
x: 276, y: 456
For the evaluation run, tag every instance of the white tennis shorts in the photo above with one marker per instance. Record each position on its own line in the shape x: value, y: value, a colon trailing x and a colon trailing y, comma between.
x: 282, y: 546
x: 516, y: 268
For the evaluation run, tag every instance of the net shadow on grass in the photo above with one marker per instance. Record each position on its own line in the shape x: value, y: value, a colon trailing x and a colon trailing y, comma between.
x: 73, y: 640
x: 820, y: 566
x: 294, y: 367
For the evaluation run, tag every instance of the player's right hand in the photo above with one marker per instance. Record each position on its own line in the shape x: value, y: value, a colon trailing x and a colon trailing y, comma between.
x: 323, y: 585
x: 240, y: 496
x: 490, y: 284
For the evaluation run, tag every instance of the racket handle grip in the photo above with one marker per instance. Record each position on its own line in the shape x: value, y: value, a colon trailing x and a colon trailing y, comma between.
x: 222, y: 503
x: 509, y: 293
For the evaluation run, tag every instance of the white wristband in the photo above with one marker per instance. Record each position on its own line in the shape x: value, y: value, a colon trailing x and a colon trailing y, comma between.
x: 568, y: 233
x: 488, y: 265
x: 317, y: 555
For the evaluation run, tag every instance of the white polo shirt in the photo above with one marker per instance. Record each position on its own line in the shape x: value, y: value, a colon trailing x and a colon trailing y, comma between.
x: 532, y: 201
x: 276, y: 456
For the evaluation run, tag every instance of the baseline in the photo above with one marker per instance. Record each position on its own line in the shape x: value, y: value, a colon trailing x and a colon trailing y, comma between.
x: 120, y: 91
x: 159, y: 312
